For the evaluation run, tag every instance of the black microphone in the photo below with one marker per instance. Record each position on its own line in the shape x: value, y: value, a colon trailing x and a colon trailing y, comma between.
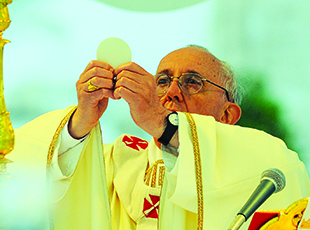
x: 272, y: 181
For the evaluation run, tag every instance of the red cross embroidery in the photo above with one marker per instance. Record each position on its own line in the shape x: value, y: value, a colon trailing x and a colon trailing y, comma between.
x: 135, y: 142
x: 150, y: 210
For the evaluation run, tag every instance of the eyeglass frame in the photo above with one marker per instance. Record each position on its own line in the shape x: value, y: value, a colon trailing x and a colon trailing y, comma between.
x: 196, y: 74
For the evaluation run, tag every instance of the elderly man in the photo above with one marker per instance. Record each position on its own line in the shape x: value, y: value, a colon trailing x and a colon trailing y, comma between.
x: 196, y: 172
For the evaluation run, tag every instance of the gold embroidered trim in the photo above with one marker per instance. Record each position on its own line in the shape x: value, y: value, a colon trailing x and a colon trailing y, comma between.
x: 55, y: 137
x: 147, y: 178
x: 154, y: 175
x: 161, y: 175
x: 197, y: 169
x: 50, y: 157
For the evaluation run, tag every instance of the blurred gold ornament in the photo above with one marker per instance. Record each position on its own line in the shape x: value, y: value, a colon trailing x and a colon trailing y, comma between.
x: 6, y: 129
x: 4, y: 15
x: 289, y: 218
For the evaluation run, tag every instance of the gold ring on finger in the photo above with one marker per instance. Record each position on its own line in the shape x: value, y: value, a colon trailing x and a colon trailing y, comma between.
x: 91, y: 87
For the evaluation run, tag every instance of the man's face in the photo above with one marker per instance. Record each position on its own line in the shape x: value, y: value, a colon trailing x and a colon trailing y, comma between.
x: 209, y: 100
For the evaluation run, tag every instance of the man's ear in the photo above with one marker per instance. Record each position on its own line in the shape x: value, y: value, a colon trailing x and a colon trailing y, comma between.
x: 231, y: 113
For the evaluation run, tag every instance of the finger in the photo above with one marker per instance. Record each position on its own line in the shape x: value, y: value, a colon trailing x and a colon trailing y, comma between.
x: 127, y: 79
x: 102, y: 93
x: 94, y: 96
x: 96, y: 72
x: 130, y: 66
x: 97, y: 82
x: 129, y: 83
x: 126, y: 75
x: 132, y: 81
x: 145, y: 80
x: 125, y: 93
x: 97, y: 63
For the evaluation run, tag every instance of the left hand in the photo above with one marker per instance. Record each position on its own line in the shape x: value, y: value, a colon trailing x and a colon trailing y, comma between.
x: 138, y: 88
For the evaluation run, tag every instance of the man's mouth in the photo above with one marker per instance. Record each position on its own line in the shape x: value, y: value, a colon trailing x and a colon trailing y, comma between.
x: 173, y: 107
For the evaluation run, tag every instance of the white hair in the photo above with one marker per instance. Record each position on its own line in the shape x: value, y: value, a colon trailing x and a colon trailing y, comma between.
x: 228, y: 79
x: 230, y: 83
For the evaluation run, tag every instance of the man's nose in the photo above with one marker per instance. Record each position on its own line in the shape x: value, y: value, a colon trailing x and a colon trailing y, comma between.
x: 174, y: 92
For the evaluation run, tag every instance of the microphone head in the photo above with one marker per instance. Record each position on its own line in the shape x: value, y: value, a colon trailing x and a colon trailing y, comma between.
x: 276, y: 176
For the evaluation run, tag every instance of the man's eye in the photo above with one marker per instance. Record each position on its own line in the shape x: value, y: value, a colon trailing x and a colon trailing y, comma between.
x: 192, y: 81
x: 162, y: 81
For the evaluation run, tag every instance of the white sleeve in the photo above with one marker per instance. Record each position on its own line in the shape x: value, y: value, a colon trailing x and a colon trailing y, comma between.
x: 66, y: 156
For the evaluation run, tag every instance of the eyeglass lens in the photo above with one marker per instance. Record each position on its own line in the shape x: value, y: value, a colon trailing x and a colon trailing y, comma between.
x: 189, y: 83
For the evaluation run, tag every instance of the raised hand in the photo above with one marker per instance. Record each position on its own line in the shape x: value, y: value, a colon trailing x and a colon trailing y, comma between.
x: 91, y: 104
x: 137, y: 87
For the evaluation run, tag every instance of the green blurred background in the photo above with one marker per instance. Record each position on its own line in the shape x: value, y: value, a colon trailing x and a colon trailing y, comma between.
x: 266, y: 43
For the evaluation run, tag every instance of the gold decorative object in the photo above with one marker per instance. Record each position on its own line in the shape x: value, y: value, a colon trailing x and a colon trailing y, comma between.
x: 6, y: 129
x: 289, y: 218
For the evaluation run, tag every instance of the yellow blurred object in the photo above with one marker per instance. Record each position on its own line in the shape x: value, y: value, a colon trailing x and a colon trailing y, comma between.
x: 289, y: 218
x: 6, y: 129
x: 305, y: 224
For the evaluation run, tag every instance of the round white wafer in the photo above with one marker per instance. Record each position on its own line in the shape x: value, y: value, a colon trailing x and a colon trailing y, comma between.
x: 114, y: 51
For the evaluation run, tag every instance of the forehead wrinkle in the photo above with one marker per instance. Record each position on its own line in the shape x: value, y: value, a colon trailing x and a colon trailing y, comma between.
x: 168, y: 72
x: 176, y: 68
x: 192, y: 59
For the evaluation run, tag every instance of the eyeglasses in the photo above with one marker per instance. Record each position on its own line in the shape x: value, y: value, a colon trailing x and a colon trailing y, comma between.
x: 189, y: 83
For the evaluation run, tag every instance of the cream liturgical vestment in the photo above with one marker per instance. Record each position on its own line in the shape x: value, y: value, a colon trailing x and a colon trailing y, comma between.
x: 124, y: 185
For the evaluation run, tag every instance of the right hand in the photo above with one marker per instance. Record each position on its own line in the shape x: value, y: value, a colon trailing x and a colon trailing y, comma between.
x: 91, y: 105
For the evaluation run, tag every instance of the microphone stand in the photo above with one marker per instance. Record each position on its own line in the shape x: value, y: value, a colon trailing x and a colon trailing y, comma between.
x: 238, y: 221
